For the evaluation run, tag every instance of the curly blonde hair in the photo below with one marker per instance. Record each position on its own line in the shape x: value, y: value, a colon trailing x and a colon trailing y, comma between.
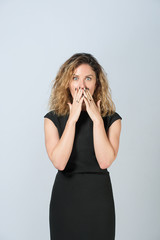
x: 60, y: 92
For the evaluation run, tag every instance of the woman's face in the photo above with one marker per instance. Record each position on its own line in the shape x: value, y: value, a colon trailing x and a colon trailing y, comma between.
x: 83, y: 77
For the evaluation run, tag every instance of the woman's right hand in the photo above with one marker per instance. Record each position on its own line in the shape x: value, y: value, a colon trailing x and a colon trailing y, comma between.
x: 75, y: 107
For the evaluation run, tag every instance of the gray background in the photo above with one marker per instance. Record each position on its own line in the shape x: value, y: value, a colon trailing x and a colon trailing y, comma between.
x: 36, y: 38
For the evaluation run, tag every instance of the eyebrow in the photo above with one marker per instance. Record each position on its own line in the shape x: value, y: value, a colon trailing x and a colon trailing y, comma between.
x: 85, y: 76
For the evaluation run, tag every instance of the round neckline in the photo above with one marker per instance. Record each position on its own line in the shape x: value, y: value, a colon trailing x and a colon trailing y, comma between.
x: 84, y: 114
x: 83, y: 111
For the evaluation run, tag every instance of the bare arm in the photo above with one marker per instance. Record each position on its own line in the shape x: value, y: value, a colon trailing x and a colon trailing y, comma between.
x: 59, y: 150
x: 106, y: 145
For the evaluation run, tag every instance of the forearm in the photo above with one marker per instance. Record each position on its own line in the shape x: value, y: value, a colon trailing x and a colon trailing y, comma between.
x: 103, y: 149
x: 63, y: 149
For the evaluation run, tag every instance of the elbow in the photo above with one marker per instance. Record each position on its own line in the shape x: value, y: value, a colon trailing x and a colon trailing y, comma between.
x: 107, y: 163
x: 104, y: 165
x: 59, y: 166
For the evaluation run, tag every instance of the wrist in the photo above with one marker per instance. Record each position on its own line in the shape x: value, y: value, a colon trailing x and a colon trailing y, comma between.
x: 71, y: 121
x: 98, y: 121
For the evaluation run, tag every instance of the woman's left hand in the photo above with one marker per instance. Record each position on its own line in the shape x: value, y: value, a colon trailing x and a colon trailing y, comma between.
x: 93, y: 109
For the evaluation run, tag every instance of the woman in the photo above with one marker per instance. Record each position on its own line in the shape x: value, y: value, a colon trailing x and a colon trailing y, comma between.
x: 82, y: 132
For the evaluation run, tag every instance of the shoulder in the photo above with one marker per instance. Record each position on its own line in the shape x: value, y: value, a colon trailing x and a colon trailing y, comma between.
x: 53, y: 117
x: 115, y: 116
x: 50, y: 113
x: 109, y: 119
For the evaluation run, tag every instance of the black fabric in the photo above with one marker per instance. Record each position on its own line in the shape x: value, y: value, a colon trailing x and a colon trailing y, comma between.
x: 82, y: 204
x: 53, y: 117
x: 82, y: 158
x: 113, y: 118
x: 82, y: 207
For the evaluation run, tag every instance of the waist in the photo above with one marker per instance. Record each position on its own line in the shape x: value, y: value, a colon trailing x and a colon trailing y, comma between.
x: 83, y: 172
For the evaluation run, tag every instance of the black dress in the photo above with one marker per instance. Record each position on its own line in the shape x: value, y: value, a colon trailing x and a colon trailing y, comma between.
x: 82, y: 204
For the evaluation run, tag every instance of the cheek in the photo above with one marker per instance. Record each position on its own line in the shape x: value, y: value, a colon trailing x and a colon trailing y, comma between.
x: 72, y: 89
x: 91, y: 90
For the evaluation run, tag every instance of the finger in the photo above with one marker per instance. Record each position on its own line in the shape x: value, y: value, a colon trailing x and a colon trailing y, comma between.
x: 81, y: 100
x: 89, y: 94
x: 86, y: 102
x: 86, y: 96
x: 86, y: 91
x: 75, y: 93
x: 81, y: 94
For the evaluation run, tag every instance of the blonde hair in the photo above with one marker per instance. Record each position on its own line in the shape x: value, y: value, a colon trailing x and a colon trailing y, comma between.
x: 60, y: 92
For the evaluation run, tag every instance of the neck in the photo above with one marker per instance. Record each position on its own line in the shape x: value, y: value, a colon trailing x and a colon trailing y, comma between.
x: 83, y: 108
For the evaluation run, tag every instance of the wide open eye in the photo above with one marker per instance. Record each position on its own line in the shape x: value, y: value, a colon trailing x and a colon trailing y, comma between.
x: 74, y: 78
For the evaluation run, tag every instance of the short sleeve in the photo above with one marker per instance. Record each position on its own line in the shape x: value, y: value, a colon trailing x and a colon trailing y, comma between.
x: 115, y: 116
x: 53, y: 117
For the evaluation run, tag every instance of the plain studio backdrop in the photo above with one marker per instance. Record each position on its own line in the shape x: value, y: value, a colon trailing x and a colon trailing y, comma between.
x: 36, y: 38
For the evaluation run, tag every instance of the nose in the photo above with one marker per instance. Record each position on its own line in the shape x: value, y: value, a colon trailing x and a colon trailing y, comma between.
x: 82, y: 86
